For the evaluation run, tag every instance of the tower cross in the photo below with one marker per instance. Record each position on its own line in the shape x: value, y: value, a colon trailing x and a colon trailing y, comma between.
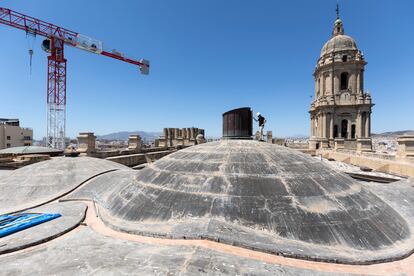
x: 337, y: 11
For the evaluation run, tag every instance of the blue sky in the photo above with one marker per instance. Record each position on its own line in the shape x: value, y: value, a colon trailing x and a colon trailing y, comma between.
x: 207, y: 57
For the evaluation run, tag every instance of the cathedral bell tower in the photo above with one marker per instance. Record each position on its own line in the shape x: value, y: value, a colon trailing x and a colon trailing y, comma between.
x: 340, y: 112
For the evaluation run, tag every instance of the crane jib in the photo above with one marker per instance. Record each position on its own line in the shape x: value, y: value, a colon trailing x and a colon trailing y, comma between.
x: 39, y: 27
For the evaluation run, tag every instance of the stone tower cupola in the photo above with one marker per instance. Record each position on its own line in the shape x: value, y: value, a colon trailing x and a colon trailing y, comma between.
x: 338, y: 28
x: 341, y: 108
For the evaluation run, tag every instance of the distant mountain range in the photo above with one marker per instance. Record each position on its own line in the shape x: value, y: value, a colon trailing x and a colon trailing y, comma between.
x: 151, y: 136
x: 395, y: 133
x: 123, y: 135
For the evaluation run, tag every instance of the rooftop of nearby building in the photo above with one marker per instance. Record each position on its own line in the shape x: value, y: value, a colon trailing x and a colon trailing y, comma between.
x: 14, y: 122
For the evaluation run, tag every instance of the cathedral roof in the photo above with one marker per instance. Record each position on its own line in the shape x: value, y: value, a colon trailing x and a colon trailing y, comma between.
x: 255, y: 195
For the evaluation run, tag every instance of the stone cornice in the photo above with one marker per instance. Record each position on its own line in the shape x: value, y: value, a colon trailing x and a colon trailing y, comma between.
x: 339, y: 64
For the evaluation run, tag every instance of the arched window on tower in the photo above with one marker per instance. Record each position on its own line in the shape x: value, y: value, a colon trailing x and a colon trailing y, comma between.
x: 344, y: 81
x: 344, y: 58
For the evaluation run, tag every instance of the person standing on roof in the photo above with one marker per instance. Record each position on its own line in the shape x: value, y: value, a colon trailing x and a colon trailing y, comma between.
x: 262, y: 121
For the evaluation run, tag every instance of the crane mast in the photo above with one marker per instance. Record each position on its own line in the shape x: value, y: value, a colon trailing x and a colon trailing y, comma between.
x: 57, y: 37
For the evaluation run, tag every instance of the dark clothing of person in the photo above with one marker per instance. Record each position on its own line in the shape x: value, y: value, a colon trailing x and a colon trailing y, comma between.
x: 261, y: 120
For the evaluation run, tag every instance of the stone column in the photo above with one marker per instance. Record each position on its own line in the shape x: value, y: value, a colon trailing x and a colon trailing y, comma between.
x: 174, y: 132
x: 358, y: 83
x: 348, y: 130
x: 322, y: 90
x: 269, y: 137
x: 355, y: 83
x: 163, y: 140
x: 323, y: 125
x: 331, y: 126
x: 320, y: 124
x: 363, y: 120
x: 405, y: 146
x: 317, y: 134
x: 134, y: 142
x: 362, y: 81
x: 311, y: 126
x: 358, y: 125
x: 367, y: 125
x: 188, y: 133
x: 192, y: 135
x: 169, y: 137
x: 336, y: 84
x: 86, y: 142
x: 328, y: 85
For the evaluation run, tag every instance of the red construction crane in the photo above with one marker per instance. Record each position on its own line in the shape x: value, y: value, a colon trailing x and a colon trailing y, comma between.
x: 56, y: 38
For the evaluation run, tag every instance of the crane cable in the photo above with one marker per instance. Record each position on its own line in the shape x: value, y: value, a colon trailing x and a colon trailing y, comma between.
x: 31, y: 39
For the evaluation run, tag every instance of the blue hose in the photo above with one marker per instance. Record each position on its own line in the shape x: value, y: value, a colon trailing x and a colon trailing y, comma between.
x: 10, y: 224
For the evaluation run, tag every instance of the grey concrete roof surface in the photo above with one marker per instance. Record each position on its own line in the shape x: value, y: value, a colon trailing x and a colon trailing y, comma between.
x: 399, y: 195
x: 72, y: 214
x: 255, y: 195
x: 243, y: 193
x: 4, y: 173
x: 41, y: 182
x: 29, y: 150
x: 85, y: 252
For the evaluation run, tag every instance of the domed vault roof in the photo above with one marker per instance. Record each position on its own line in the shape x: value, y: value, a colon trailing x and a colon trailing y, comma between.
x: 255, y: 195
x: 339, y: 43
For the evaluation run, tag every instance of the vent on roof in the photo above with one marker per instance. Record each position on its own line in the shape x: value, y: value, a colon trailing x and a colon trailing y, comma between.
x: 238, y: 124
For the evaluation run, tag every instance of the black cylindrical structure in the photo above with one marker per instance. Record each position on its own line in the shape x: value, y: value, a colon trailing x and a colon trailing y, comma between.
x: 238, y: 124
